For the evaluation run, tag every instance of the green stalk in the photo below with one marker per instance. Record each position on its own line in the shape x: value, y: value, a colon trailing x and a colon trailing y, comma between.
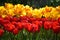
x: 31, y: 35
x: 37, y: 36
x: 5, y: 36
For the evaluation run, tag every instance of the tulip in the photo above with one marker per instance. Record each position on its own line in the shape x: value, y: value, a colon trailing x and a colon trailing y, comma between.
x: 35, y: 28
x: 56, y: 29
x: 15, y: 31
x: 1, y: 32
x: 47, y: 25
x: 29, y: 27
x: 19, y: 26
x: 9, y: 27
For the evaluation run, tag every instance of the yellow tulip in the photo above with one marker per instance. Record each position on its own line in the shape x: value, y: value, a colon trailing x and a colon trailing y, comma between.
x: 8, y: 5
x: 10, y: 12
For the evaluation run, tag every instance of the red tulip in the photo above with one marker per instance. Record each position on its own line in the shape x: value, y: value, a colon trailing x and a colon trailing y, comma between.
x: 25, y: 25
x: 29, y: 27
x: 55, y: 23
x: 35, y: 28
x: 56, y: 29
x: 44, y: 19
x: 19, y: 25
x: 47, y: 25
x: 15, y: 31
x: 1, y: 20
x: 14, y: 23
x: 24, y: 18
x: 24, y: 21
x: 32, y: 19
x: 1, y: 32
x: 59, y: 20
x: 10, y: 27
x: 5, y: 26
x: 38, y: 19
x: 14, y: 19
x: 39, y: 23
x: 5, y: 21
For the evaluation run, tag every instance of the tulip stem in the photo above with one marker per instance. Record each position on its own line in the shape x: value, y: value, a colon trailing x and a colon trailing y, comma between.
x: 56, y: 36
x: 30, y: 36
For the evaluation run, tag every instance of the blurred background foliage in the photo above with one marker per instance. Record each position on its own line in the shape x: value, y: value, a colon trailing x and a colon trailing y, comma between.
x: 33, y: 3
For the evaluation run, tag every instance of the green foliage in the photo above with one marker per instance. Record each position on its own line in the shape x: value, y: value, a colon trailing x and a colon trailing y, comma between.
x: 33, y: 3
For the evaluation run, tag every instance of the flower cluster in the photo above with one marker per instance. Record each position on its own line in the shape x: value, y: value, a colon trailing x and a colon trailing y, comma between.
x: 31, y: 24
x: 21, y: 10
x: 14, y: 24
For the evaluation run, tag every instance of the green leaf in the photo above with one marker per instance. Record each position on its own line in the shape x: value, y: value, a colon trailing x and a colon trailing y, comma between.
x: 57, y: 0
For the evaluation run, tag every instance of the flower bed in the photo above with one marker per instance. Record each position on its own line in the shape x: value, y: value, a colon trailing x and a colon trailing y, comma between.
x: 19, y: 22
